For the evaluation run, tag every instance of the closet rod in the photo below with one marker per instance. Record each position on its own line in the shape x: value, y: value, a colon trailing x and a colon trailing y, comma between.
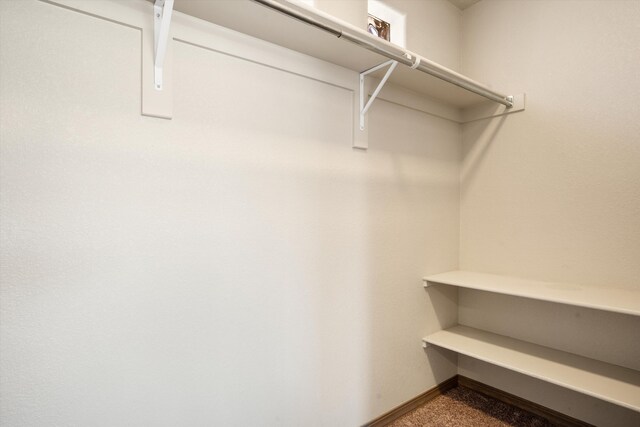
x: 355, y: 35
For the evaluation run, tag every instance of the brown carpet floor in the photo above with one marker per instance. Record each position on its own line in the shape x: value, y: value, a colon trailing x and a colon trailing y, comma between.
x: 461, y: 407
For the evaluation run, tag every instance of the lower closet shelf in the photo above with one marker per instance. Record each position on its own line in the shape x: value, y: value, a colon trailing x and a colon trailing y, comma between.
x: 605, y: 381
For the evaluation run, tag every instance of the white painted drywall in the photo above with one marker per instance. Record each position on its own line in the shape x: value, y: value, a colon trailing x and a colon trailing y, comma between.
x: 554, y: 193
x: 351, y: 11
x: 240, y: 264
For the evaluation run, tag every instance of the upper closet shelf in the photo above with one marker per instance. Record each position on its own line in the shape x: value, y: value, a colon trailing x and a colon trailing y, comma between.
x: 618, y: 300
x: 312, y: 32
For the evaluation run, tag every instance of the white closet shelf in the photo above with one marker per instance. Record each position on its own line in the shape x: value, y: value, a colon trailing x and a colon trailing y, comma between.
x: 605, y: 381
x: 619, y: 300
x: 251, y: 18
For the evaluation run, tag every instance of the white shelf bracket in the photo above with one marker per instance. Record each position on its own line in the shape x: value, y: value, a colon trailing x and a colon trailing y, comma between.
x: 364, y: 108
x: 427, y: 283
x: 162, y: 10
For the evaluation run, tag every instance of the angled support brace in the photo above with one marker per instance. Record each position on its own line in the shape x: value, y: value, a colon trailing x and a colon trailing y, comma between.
x: 364, y: 108
x: 162, y: 10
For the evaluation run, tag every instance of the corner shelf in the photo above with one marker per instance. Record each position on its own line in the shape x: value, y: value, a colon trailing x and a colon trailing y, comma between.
x: 595, y: 378
x: 619, y: 300
x: 605, y: 381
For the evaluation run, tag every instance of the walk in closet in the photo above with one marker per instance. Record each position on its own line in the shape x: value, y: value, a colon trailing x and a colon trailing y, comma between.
x: 317, y: 212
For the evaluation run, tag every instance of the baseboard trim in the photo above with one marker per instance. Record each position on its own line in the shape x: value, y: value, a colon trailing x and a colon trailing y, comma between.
x: 555, y: 417
x: 410, y: 405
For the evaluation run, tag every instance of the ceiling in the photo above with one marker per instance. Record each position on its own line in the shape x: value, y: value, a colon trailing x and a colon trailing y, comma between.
x: 463, y: 4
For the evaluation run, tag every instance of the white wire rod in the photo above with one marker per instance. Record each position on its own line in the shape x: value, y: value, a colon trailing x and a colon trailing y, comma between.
x: 162, y: 10
x: 363, y: 109
x: 382, y: 47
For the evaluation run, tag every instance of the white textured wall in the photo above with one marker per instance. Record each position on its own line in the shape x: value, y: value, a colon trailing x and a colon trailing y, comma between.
x: 351, y: 11
x: 553, y: 193
x: 240, y: 264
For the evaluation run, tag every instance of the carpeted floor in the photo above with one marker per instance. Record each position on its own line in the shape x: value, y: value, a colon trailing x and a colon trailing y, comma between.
x: 462, y: 407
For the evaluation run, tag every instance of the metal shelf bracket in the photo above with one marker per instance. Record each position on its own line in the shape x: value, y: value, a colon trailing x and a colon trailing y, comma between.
x: 364, y: 108
x: 162, y: 10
